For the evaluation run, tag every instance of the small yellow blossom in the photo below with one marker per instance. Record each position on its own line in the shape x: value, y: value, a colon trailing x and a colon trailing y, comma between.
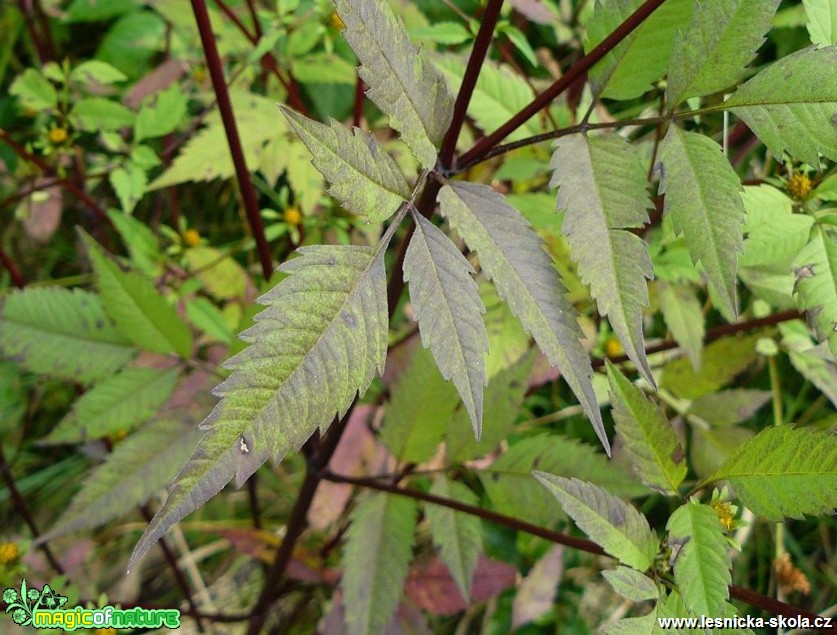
x: 57, y: 135
x: 105, y: 631
x: 613, y: 347
x: 336, y: 22
x: 199, y: 74
x: 799, y: 186
x: 293, y: 216
x: 191, y: 237
x: 9, y: 553
x: 725, y: 512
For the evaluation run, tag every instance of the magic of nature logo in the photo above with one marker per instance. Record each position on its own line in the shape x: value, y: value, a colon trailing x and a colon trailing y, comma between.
x: 44, y: 608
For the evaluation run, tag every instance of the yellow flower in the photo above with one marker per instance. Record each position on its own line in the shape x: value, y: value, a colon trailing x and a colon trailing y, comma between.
x: 106, y: 631
x: 9, y: 553
x: 293, y: 216
x: 799, y: 186
x: 336, y: 22
x: 191, y: 237
x: 199, y: 75
x: 726, y: 513
x: 613, y: 347
x: 57, y: 135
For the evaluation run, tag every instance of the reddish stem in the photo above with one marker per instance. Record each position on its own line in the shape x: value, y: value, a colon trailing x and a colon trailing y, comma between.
x: 11, y: 267
x: 248, y: 192
x: 577, y: 70
x: 71, y: 187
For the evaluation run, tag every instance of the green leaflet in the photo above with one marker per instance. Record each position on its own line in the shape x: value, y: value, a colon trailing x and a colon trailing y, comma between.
x: 449, y: 312
x: 613, y: 524
x: 508, y: 480
x: 206, y: 155
x: 710, y: 447
x: 139, y: 311
x: 815, y: 269
x: 116, y: 404
x: 803, y: 355
x: 775, y: 235
x: 63, y: 333
x: 94, y: 114
x: 641, y: 58
x: 498, y: 95
x: 363, y: 176
x: 702, y: 195
x: 644, y: 625
x: 140, y: 466
x: 379, y: 547
x: 650, y: 442
x: 822, y: 20
x: 420, y: 406
x: 602, y: 186
x: 711, y: 52
x: 728, y: 407
x: 221, y: 276
x: 513, y: 256
x: 701, y: 563
x: 401, y: 82
x: 631, y: 584
x: 790, y: 105
x: 784, y: 472
x: 684, y: 318
x: 458, y: 535
x: 722, y: 361
x: 504, y: 397
x: 318, y: 343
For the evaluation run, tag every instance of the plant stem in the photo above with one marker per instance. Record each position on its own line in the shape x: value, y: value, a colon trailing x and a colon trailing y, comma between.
x: 469, y: 81
x: 257, y: 27
x: 268, y: 61
x: 556, y: 134
x: 171, y: 561
x: 713, y: 334
x: 24, y: 511
x: 574, y: 73
x: 248, y: 193
x: 319, y: 454
x: 11, y: 267
x: 26, y: 9
x: 357, y: 110
x: 750, y: 597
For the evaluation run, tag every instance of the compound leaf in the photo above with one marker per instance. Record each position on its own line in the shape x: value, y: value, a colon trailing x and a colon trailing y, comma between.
x: 63, y: 333
x: 816, y: 284
x: 702, y: 195
x: 790, y: 105
x: 401, y: 82
x: 650, y: 442
x: 139, y: 311
x: 363, y: 177
x: 140, y: 466
x: 508, y: 481
x: 117, y: 404
x: 449, y: 311
x: 613, y: 524
x: 701, y: 563
x: 513, y: 256
x: 784, y: 472
x: 458, y: 535
x: 379, y: 546
x: 420, y: 406
x: 318, y: 343
x: 602, y: 187
x: 711, y: 52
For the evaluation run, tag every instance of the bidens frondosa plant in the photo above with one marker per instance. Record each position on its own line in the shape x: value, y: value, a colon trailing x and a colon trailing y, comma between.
x: 634, y: 193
